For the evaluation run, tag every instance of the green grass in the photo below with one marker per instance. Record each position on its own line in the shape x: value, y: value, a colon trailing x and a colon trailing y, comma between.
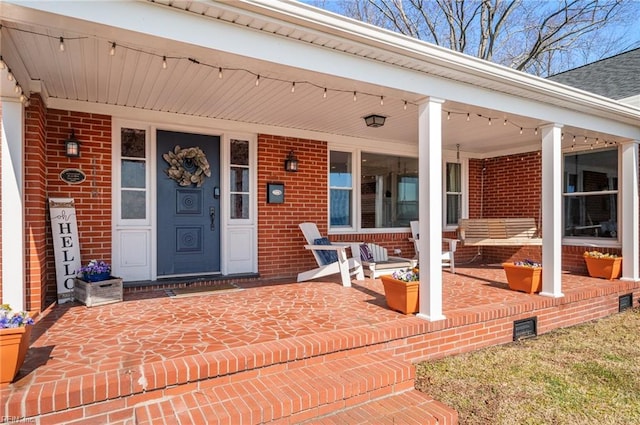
x: 586, y: 374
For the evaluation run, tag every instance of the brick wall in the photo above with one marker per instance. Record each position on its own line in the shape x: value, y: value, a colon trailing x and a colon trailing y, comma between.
x: 36, y: 214
x: 93, y: 196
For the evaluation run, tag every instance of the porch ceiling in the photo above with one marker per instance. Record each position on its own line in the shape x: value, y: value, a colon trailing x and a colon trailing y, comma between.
x: 190, y: 85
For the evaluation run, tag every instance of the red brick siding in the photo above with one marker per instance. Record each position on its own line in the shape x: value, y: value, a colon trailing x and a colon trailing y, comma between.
x: 93, y: 196
x: 280, y: 252
x: 36, y: 214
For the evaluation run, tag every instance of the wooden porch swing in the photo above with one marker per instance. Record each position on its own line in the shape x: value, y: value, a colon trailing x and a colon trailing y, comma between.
x: 498, y: 232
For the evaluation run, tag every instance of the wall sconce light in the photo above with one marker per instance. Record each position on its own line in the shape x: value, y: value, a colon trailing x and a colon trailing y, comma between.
x: 374, y: 120
x: 291, y: 163
x: 72, y: 146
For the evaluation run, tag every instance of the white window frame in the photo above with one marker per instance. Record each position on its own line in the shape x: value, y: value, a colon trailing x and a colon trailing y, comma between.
x: 405, y: 151
x: 448, y: 157
x: 588, y: 241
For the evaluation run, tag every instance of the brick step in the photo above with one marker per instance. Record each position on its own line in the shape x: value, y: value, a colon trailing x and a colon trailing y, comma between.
x: 407, y: 408
x: 300, y: 391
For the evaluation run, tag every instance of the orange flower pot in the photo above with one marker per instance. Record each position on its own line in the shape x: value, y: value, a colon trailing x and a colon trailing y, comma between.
x: 401, y: 296
x: 606, y: 268
x: 14, y: 343
x: 524, y: 279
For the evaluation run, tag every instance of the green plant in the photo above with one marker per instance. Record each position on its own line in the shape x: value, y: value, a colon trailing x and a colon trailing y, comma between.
x: 598, y: 254
x: 406, y: 275
x: 13, y: 319
x: 528, y: 263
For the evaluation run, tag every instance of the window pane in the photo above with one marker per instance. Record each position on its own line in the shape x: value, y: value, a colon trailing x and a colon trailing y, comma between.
x: 591, y: 172
x: 389, y: 191
x: 132, y: 142
x: 133, y: 204
x: 591, y: 216
x: 340, y: 202
x: 239, y: 206
x: 239, y: 152
x: 340, y: 169
x: 133, y: 174
x: 454, y: 203
x: 239, y: 179
x: 454, y: 180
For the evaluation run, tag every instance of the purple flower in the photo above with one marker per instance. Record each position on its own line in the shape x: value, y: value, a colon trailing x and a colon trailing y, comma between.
x: 11, y: 319
x: 95, y: 267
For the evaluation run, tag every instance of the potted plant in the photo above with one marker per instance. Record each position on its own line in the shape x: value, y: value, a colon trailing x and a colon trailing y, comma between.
x: 525, y: 276
x: 95, y: 271
x: 600, y: 264
x: 401, y: 290
x: 15, y: 334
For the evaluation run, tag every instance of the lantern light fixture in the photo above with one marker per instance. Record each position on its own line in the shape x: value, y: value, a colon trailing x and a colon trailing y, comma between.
x: 72, y: 146
x: 291, y: 163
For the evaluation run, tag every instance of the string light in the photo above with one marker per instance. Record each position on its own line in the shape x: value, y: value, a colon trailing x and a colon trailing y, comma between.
x: 520, y: 130
x: 17, y: 89
x: 468, y: 116
x: 355, y: 96
x: 2, y: 64
x: 381, y: 101
x: 164, y: 62
x: 293, y: 87
x: 405, y: 105
x: 489, y: 121
x: 324, y: 94
x: 536, y: 132
x: 448, y: 116
x: 61, y: 44
x: 112, y: 50
x: 257, y: 80
x: 220, y: 73
x: 10, y: 75
x: 505, y: 122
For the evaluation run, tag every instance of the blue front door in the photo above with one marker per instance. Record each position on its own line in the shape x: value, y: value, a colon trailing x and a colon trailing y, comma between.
x: 188, y: 205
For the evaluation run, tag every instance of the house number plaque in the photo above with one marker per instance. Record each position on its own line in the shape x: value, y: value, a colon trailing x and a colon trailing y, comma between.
x: 73, y: 176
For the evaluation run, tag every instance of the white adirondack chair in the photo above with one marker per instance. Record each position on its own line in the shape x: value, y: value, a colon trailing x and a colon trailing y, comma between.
x: 344, y: 265
x: 447, y: 256
x: 382, y: 263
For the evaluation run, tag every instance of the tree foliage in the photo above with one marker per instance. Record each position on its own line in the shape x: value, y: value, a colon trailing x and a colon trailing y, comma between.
x: 535, y: 36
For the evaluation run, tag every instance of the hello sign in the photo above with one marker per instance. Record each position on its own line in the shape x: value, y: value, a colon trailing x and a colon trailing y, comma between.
x: 66, y: 247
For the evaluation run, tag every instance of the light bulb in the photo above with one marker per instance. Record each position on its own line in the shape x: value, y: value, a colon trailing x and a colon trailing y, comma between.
x: 293, y: 87
x: 9, y: 75
x: 448, y: 115
x: 17, y: 89
x: 324, y: 95
x: 61, y: 44
x: 220, y: 73
x: 164, y: 62
x: 520, y: 130
x: 489, y: 121
x: 257, y: 80
x: 112, y: 50
x: 505, y: 122
x: 2, y: 64
x: 381, y: 101
x: 355, y: 96
x: 536, y: 132
x: 468, y: 116
x: 405, y: 105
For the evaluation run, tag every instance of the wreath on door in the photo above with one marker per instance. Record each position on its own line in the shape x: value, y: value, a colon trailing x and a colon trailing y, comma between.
x: 187, y: 166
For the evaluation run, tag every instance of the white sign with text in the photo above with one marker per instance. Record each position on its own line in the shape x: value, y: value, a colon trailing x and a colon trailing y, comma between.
x: 66, y: 245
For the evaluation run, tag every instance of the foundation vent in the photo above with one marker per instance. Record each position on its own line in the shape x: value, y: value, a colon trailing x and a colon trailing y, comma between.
x: 525, y: 328
x: 625, y: 302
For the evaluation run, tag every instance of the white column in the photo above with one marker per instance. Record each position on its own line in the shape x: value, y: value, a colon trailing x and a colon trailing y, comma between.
x: 430, y: 210
x: 629, y: 203
x: 552, y: 210
x: 13, y: 254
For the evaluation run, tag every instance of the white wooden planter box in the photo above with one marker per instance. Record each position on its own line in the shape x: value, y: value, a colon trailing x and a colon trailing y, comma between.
x: 98, y: 293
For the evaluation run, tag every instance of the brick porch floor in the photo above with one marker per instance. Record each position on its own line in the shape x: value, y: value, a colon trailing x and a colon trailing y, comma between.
x: 152, y: 358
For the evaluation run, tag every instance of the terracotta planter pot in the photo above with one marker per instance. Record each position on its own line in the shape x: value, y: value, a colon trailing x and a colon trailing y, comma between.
x: 524, y: 279
x: 606, y: 268
x: 14, y: 343
x: 401, y: 296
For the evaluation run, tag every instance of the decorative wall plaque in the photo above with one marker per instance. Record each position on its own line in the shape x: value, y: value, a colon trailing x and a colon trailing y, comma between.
x: 73, y: 176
